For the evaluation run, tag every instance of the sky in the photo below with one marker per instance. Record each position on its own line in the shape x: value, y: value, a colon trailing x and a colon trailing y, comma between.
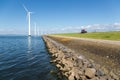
x: 59, y: 16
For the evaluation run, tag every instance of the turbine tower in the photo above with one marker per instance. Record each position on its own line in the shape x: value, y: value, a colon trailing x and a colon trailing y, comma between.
x: 35, y: 29
x: 28, y: 17
x: 38, y: 32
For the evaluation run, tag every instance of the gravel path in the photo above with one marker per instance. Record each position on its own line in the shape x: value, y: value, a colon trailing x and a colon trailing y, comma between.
x: 94, y: 40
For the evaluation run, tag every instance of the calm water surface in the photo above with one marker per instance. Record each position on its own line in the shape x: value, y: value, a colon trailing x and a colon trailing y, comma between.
x: 25, y: 58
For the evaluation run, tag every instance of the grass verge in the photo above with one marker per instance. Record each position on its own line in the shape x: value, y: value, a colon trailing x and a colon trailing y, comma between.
x: 115, y: 35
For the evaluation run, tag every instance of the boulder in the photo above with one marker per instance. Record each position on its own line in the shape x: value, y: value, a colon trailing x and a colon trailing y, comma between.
x: 99, y: 73
x: 90, y: 72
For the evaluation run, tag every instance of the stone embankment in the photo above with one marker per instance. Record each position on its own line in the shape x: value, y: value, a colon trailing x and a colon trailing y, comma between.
x: 75, y: 66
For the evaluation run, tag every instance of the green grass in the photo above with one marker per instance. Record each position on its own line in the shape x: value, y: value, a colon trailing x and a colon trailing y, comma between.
x: 115, y: 35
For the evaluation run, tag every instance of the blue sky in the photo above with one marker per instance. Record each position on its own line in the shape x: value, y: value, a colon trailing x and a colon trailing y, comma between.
x: 59, y: 15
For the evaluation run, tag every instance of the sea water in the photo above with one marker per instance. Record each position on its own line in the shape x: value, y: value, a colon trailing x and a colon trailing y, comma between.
x: 25, y: 58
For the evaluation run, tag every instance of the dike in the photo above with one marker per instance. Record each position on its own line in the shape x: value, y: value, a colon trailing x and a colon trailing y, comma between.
x: 75, y: 66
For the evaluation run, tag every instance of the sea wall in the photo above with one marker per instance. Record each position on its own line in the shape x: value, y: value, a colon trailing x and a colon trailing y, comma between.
x: 74, y: 66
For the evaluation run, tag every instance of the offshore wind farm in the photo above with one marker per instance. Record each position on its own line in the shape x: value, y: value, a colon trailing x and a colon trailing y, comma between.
x: 35, y: 32
x: 59, y: 40
x: 28, y: 18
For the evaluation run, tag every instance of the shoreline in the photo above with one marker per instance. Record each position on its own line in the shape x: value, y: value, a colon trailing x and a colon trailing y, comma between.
x: 75, y: 66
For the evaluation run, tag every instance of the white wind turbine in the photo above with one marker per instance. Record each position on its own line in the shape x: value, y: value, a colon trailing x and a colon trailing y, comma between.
x: 38, y: 32
x: 35, y: 29
x: 28, y: 16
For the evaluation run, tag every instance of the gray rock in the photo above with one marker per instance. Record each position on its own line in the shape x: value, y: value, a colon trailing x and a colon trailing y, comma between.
x: 90, y: 65
x: 99, y: 73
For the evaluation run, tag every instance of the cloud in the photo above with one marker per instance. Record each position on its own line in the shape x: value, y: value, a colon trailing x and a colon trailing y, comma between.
x: 2, y: 30
x: 116, y: 24
x: 85, y: 27
x: 89, y: 28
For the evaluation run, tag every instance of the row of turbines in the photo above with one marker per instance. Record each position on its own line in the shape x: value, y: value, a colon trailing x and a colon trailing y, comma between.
x: 36, y: 30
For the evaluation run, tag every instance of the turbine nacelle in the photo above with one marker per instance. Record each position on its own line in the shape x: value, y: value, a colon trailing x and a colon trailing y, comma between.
x: 27, y: 10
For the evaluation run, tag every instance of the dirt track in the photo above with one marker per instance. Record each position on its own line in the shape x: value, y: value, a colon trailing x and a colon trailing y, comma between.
x: 103, y: 52
x: 94, y: 40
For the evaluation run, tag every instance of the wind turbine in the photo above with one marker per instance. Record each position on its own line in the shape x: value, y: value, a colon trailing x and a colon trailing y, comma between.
x: 35, y: 29
x: 28, y: 16
x: 38, y: 32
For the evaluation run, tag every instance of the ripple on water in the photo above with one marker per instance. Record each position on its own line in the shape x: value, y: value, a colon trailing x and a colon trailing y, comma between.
x: 23, y: 58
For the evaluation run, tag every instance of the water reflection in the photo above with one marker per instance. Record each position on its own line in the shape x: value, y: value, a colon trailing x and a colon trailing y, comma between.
x: 29, y: 61
x: 29, y: 44
x: 29, y: 51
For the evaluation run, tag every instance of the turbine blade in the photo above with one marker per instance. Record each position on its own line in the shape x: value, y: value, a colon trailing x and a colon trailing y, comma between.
x: 25, y: 8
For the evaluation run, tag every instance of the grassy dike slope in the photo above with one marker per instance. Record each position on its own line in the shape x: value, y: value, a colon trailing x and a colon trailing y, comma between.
x: 115, y: 35
x: 101, y: 51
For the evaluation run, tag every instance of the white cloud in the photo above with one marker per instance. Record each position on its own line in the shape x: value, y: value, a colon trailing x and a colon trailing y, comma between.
x: 89, y: 28
x: 116, y: 24
x: 1, y: 30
